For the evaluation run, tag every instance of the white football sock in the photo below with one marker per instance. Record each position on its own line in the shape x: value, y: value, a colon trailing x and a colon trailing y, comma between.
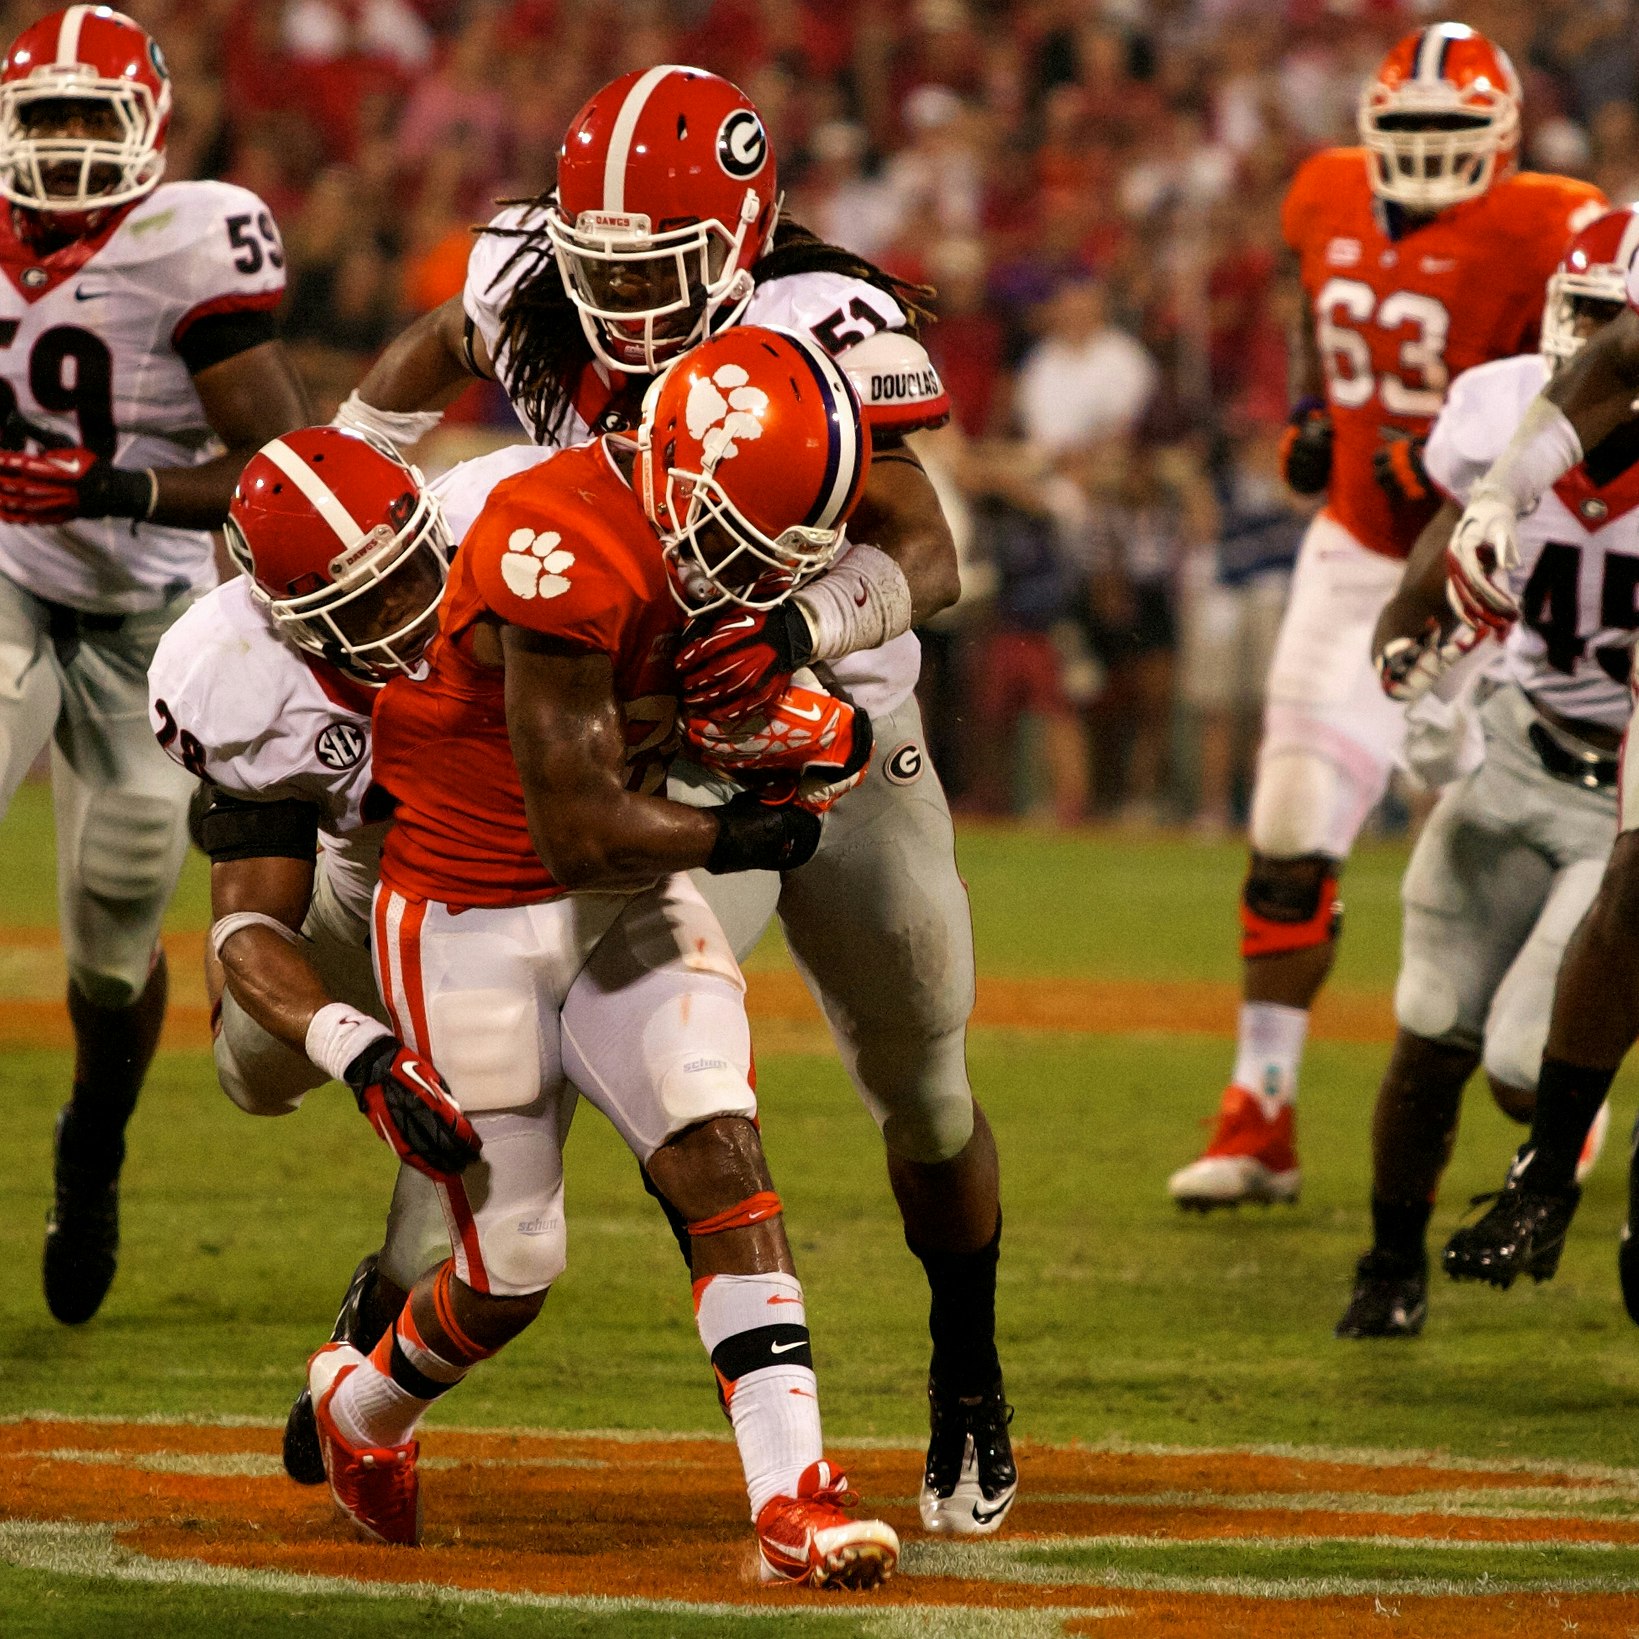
x: 748, y: 1323
x: 1269, y: 1050
x: 370, y: 1409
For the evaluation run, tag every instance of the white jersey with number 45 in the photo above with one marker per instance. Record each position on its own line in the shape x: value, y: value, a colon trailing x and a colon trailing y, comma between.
x: 99, y: 344
x: 1578, y: 577
x: 236, y: 705
x: 862, y: 327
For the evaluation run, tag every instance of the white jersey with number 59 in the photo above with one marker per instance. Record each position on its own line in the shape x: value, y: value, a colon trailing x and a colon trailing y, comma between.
x: 99, y: 345
x: 1578, y: 577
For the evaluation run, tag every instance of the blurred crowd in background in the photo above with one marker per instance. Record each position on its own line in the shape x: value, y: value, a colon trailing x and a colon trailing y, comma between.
x: 1094, y: 188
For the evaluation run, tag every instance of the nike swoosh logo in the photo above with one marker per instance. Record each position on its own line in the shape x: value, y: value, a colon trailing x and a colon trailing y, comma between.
x: 863, y: 598
x: 811, y: 714
x: 774, y: 1300
x: 786, y: 1348
x: 81, y: 294
x: 985, y: 1515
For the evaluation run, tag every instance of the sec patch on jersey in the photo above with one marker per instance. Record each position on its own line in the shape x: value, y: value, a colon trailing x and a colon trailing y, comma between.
x: 341, y: 745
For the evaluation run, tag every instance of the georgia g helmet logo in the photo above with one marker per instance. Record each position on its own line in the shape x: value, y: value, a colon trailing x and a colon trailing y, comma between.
x: 742, y: 144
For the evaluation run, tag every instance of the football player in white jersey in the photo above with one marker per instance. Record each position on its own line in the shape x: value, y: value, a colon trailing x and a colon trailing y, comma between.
x: 139, y: 369
x: 1513, y: 853
x: 264, y: 690
x: 1587, y: 406
x: 663, y: 229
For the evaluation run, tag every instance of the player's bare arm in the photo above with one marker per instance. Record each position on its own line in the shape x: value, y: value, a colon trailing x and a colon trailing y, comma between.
x: 900, y: 515
x: 565, y: 726
x: 266, y: 970
x: 1421, y: 595
x: 248, y: 399
x: 429, y: 364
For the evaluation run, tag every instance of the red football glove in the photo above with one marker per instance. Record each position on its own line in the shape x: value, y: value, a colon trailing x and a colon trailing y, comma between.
x: 58, y: 485
x: 808, y: 747
x: 734, y: 664
x: 409, y: 1105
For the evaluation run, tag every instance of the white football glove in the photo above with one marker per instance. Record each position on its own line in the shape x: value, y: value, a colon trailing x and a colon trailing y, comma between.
x: 1484, y: 551
x: 1408, y: 667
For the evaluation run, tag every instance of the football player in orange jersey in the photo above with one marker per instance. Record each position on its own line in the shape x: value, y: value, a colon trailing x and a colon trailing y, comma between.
x: 1422, y: 253
x: 536, y: 928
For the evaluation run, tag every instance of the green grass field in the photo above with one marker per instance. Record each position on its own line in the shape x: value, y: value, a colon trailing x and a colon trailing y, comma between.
x: 1121, y: 1319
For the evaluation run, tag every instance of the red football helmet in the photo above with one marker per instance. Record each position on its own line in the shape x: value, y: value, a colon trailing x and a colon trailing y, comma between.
x: 665, y: 198
x: 752, y: 453
x: 1591, y: 282
x: 345, y: 546
x: 1441, y: 120
x: 92, y: 56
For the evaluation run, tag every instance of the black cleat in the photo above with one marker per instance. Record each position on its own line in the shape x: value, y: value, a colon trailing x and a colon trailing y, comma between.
x: 1390, y: 1297
x: 1627, y: 1253
x: 82, y: 1234
x: 1522, y: 1234
x: 971, y: 1478
x: 302, y: 1458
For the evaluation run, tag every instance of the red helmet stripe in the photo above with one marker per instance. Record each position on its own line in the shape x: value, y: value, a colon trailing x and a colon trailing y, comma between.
x: 68, y: 36
x: 620, y: 138
x: 325, y: 501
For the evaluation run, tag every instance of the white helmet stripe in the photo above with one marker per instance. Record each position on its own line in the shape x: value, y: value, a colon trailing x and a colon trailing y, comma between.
x: 1431, y: 51
x: 68, y: 35
x: 620, y: 139
x: 325, y: 501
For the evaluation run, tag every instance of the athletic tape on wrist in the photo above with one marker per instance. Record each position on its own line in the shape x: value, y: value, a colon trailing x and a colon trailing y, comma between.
x: 337, y: 1034
x: 861, y: 602
x: 224, y: 928
x: 400, y: 427
x: 1545, y: 447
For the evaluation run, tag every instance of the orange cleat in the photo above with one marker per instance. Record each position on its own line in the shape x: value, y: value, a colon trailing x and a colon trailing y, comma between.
x: 1251, y: 1156
x: 811, y: 1540
x: 373, y: 1487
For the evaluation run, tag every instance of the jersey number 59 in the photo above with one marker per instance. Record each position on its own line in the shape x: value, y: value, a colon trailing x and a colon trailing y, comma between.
x: 1418, y: 387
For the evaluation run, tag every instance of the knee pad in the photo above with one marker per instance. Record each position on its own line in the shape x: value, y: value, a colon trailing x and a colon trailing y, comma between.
x: 528, y: 1254
x: 925, y: 1111
x: 1514, y: 1099
x: 258, y: 1073
x: 1427, y: 1004
x: 106, y: 988
x: 131, y: 846
x: 1289, y: 905
x: 1513, y: 1058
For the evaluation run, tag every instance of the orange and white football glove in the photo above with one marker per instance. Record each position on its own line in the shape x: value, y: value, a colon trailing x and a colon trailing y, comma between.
x: 807, y: 747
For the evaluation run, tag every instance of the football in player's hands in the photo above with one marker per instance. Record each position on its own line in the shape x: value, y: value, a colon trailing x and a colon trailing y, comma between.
x: 408, y: 1104
x: 1398, y: 467
x: 735, y: 663
x: 60, y: 485
x: 1306, y: 447
x: 807, y: 746
x: 1484, y: 550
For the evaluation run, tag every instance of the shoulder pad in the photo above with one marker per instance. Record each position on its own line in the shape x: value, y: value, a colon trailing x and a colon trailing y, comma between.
x: 898, y: 386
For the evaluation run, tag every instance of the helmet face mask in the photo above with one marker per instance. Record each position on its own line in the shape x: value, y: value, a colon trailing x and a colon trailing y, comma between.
x: 86, y: 134
x: 645, y: 297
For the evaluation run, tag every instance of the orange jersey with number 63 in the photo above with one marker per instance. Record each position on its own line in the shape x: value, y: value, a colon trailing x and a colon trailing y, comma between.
x: 564, y: 549
x: 1396, y: 320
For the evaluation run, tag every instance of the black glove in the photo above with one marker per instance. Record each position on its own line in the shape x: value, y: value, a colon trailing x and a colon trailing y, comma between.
x: 409, y: 1105
x: 752, y: 836
x: 1306, y: 447
x: 1398, y: 466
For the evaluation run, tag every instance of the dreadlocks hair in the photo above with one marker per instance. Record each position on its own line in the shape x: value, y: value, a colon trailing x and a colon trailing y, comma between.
x: 546, y: 349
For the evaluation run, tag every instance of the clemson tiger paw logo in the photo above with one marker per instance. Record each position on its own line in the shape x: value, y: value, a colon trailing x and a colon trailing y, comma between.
x: 533, y: 566
x: 722, y: 407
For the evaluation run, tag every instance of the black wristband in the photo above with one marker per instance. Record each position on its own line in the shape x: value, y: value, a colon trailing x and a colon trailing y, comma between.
x: 108, y: 491
x: 751, y: 836
x: 798, y: 636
